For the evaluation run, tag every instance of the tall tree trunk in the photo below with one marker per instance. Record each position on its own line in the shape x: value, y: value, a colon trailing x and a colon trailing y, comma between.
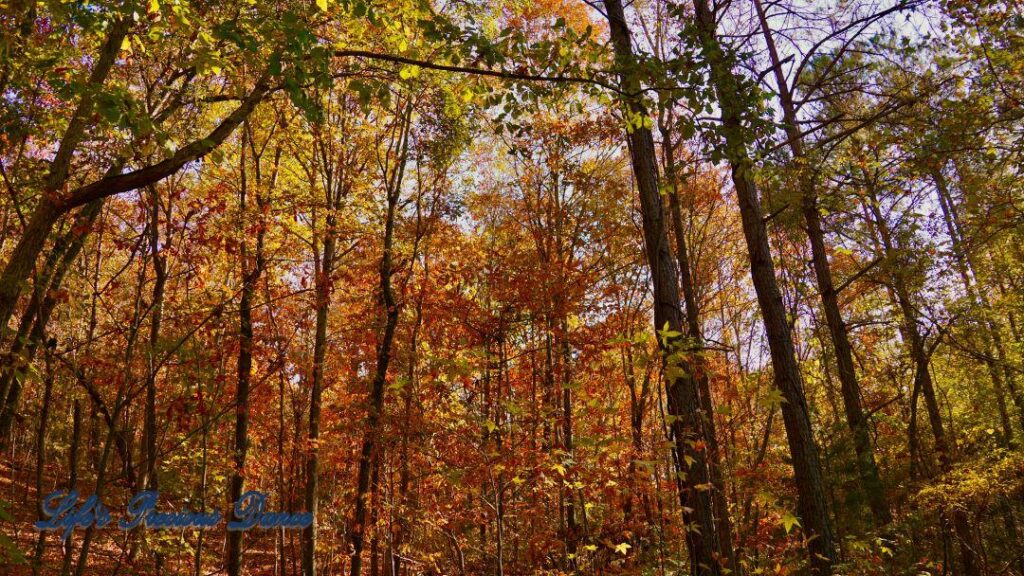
x: 197, y: 559
x: 323, y: 290
x: 336, y: 188
x: 922, y: 377
x: 811, y: 500
x: 856, y: 420
x: 148, y: 472
x: 76, y: 442
x: 252, y: 267
x: 40, y: 307
x: 706, y: 551
x: 44, y: 421
x: 572, y: 528
x: 281, y: 565
x: 393, y: 188
x: 696, y: 337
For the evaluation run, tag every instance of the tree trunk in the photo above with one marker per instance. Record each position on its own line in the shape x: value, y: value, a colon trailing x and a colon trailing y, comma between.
x: 706, y: 551
x: 693, y: 326
x: 44, y: 420
x: 390, y: 308
x: 856, y: 420
x: 197, y: 560
x: 76, y: 442
x: 811, y: 503
x: 149, y: 479
x: 251, y: 272
x: 922, y: 377
x: 571, y: 524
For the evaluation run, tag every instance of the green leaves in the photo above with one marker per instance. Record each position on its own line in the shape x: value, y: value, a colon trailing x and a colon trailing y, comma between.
x: 666, y: 335
x: 638, y: 120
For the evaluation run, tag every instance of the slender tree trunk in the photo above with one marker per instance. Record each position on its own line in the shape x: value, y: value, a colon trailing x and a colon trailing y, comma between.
x: 282, y: 565
x: 252, y: 267
x: 404, y: 526
x: 149, y: 479
x: 696, y: 337
x: 76, y: 442
x: 197, y: 560
x: 44, y: 420
x: 923, y: 379
x: 811, y: 500
x: 323, y: 290
x: 682, y: 393
x: 572, y: 528
x: 390, y: 308
x: 856, y: 420
x: 37, y: 315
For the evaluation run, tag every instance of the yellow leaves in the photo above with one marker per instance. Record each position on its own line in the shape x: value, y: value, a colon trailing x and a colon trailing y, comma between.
x: 975, y: 484
x: 622, y: 548
x: 574, y: 322
x: 181, y: 11
x: 788, y: 521
x: 409, y: 71
x: 132, y: 43
x: 322, y: 5
x: 773, y: 399
x: 154, y: 6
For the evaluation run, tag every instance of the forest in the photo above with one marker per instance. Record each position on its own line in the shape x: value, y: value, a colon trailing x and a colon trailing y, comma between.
x: 511, y: 287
